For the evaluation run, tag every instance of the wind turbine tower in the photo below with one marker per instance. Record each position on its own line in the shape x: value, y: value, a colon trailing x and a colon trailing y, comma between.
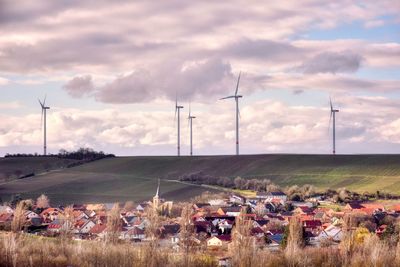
x: 236, y: 97
x: 177, y: 111
x: 190, y: 119
x: 44, y: 121
x: 333, y: 118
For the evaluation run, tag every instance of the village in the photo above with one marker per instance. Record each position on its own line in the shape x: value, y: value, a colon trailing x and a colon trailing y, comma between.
x: 212, y: 222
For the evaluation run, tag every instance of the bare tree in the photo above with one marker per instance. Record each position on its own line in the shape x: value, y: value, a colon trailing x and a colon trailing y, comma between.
x: 43, y: 202
x: 19, y: 218
x: 186, y: 231
x: 67, y: 220
x: 295, y: 240
x: 243, y: 243
x: 152, y: 232
x: 113, y: 223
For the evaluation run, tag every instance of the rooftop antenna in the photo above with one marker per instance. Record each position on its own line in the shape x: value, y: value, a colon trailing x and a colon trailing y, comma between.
x: 44, y: 123
x: 177, y: 111
x: 333, y: 119
x: 236, y: 97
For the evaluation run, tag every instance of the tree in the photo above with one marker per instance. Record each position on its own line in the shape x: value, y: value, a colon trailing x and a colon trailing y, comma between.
x: 152, y: 231
x: 295, y: 239
x: 243, y: 243
x: 67, y: 219
x: 113, y: 224
x: 42, y: 202
x: 19, y: 218
x: 186, y: 231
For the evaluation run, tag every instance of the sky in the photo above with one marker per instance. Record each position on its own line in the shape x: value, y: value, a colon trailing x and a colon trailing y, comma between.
x: 111, y: 71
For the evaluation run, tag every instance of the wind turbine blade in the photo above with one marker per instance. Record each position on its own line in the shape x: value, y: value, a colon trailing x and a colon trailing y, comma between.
x: 41, y: 119
x: 330, y: 119
x: 237, y: 85
x: 41, y: 104
x: 175, y: 113
x: 330, y: 102
x: 227, y: 97
x: 44, y: 101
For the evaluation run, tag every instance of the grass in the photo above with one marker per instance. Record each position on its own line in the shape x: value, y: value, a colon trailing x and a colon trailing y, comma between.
x: 135, y: 178
x: 11, y: 168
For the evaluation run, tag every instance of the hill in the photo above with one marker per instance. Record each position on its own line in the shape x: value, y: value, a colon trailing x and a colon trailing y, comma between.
x: 15, y: 167
x: 134, y: 178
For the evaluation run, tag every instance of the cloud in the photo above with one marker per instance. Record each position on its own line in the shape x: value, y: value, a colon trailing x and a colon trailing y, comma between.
x: 3, y: 81
x: 277, y: 127
x: 196, y: 80
x: 332, y: 62
x: 374, y: 23
x: 10, y: 105
x: 79, y: 86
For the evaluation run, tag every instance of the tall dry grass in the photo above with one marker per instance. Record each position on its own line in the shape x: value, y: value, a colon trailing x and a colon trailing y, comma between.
x: 26, y: 250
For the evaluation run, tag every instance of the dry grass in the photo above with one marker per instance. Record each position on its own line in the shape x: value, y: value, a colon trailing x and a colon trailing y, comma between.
x: 27, y: 250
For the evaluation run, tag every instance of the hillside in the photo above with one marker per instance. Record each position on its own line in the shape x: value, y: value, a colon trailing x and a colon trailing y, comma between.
x: 14, y: 167
x: 134, y: 178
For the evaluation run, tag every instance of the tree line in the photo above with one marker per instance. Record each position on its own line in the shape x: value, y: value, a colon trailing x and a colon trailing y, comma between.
x: 82, y: 153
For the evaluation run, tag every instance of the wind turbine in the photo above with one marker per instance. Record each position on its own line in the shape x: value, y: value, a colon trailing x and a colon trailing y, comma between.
x: 190, y: 120
x: 236, y: 97
x: 44, y: 108
x: 177, y: 110
x: 333, y: 115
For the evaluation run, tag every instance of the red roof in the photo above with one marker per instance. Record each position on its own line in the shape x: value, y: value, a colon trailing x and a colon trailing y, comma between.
x: 6, y: 217
x: 312, y: 223
x: 98, y: 228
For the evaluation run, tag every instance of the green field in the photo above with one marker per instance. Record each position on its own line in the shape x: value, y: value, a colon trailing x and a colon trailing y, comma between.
x: 12, y: 168
x: 135, y: 178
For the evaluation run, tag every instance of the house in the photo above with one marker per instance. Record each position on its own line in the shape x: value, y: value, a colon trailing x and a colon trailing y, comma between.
x: 262, y: 195
x: 55, y: 226
x: 217, y: 202
x: 142, y: 207
x: 313, y: 226
x: 353, y: 206
x: 6, y: 209
x: 237, y: 199
x: 99, y: 230
x: 50, y: 214
x: 303, y: 210
x: 270, y: 196
x: 84, y: 226
x: 5, y: 218
x: 257, y: 232
x: 297, y: 204
x: 333, y: 233
x: 79, y: 215
x: 218, y: 242
x: 230, y: 211
x: 135, y: 233
x: 274, y: 241
x: 202, y: 226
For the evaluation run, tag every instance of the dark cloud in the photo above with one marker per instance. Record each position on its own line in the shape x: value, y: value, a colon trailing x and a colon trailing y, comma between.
x: 79, y: 86
x: 332, y: 62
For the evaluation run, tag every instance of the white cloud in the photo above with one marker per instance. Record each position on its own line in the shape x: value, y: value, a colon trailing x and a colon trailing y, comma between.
x: 276, y: 126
